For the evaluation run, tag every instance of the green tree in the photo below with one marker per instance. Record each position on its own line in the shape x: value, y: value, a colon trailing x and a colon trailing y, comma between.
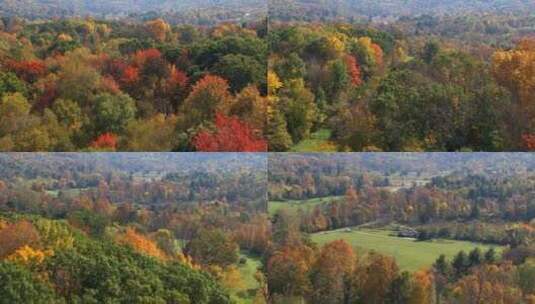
x: 19, y: 285
x: 490, y: 256
x: 10, y: 83
x: 277, y: 133
x: 78, y: 80
x: 460, y: 264
x: 20, y: 130
x: 431, y: 49
x: 156, y: 133
x: 299, y: 109
x: 400, y: 289
x: 213, y: 247
x: 15, y: 112
x: 241, y: 71
x: 338, y: 79
x: 251, y: 107
x: 112, y: 113
x: 68, y: 113
x: 290, y: 67
x: 526, y: 274
x: 475, y: 258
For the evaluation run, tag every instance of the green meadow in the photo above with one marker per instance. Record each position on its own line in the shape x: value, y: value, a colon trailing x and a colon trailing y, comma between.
x: 410, y: 254
x: 248, y: 270
x: 292, y: 206
x: 318, y: 142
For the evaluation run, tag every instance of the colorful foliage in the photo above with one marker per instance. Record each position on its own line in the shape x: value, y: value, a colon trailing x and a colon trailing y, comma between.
x: 230, y: 135
x: 105, y: 141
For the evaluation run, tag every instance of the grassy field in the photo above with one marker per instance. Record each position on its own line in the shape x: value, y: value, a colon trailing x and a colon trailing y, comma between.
x: 410, y: 254
x: 318, y: 142
x: 250, y: 285
x: 294, y: 205
x: 69, y: 192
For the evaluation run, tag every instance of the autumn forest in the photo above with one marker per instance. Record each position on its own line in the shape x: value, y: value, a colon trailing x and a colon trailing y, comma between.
x: 267, y: 228
x: 309, y: 76
x: 267, y: 151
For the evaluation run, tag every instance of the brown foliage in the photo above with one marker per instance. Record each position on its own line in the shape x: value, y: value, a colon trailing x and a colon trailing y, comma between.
x: 17, y: 235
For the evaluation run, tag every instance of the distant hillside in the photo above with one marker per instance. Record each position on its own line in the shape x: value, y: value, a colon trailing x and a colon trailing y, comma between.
x: 34, y: 9
x: 335, y: 9
x: 55, y: 164
x: 502, y: 164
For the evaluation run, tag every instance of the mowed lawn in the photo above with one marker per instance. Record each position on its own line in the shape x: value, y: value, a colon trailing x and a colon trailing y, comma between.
x: 410, y: 254
x: 318, y: 142
x: 292, y: 206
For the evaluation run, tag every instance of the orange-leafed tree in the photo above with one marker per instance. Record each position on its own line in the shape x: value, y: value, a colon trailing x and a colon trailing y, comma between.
x: 488, y: 284
x: 422, y: 290
x: 230, y: 134
x: 106, y: 141
x: 528, y: 141
x: 515, y: 69
x: 177, y: 78
x: 374, y: 277
x: 17, y: 235
x: 144, y: 57
x: 378, y: 54
x: 140, y: 243
x: 208, y: 96
x: 331, y: 274
x: 254, y: 235
x: 288, y: 271
x: 353, y: 69
x: 109, y: 85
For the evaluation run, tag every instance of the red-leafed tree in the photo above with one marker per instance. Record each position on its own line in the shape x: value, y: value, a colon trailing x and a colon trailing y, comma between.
x: 48, y: 95
x: 115, y: 67
x: 353, y: 69
x: 130, y: 75
x: 29, y: 70
x: 231, y: 134
x: 146, y: 56
x: 529, y: 141
x: 105, y: 141
x: 177, y: 78
x: 151, y: 65
x: 175, y: 87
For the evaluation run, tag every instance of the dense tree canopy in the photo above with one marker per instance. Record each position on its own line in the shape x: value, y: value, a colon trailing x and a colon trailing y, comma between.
x: 70, y: 81
x: 402, y: 87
